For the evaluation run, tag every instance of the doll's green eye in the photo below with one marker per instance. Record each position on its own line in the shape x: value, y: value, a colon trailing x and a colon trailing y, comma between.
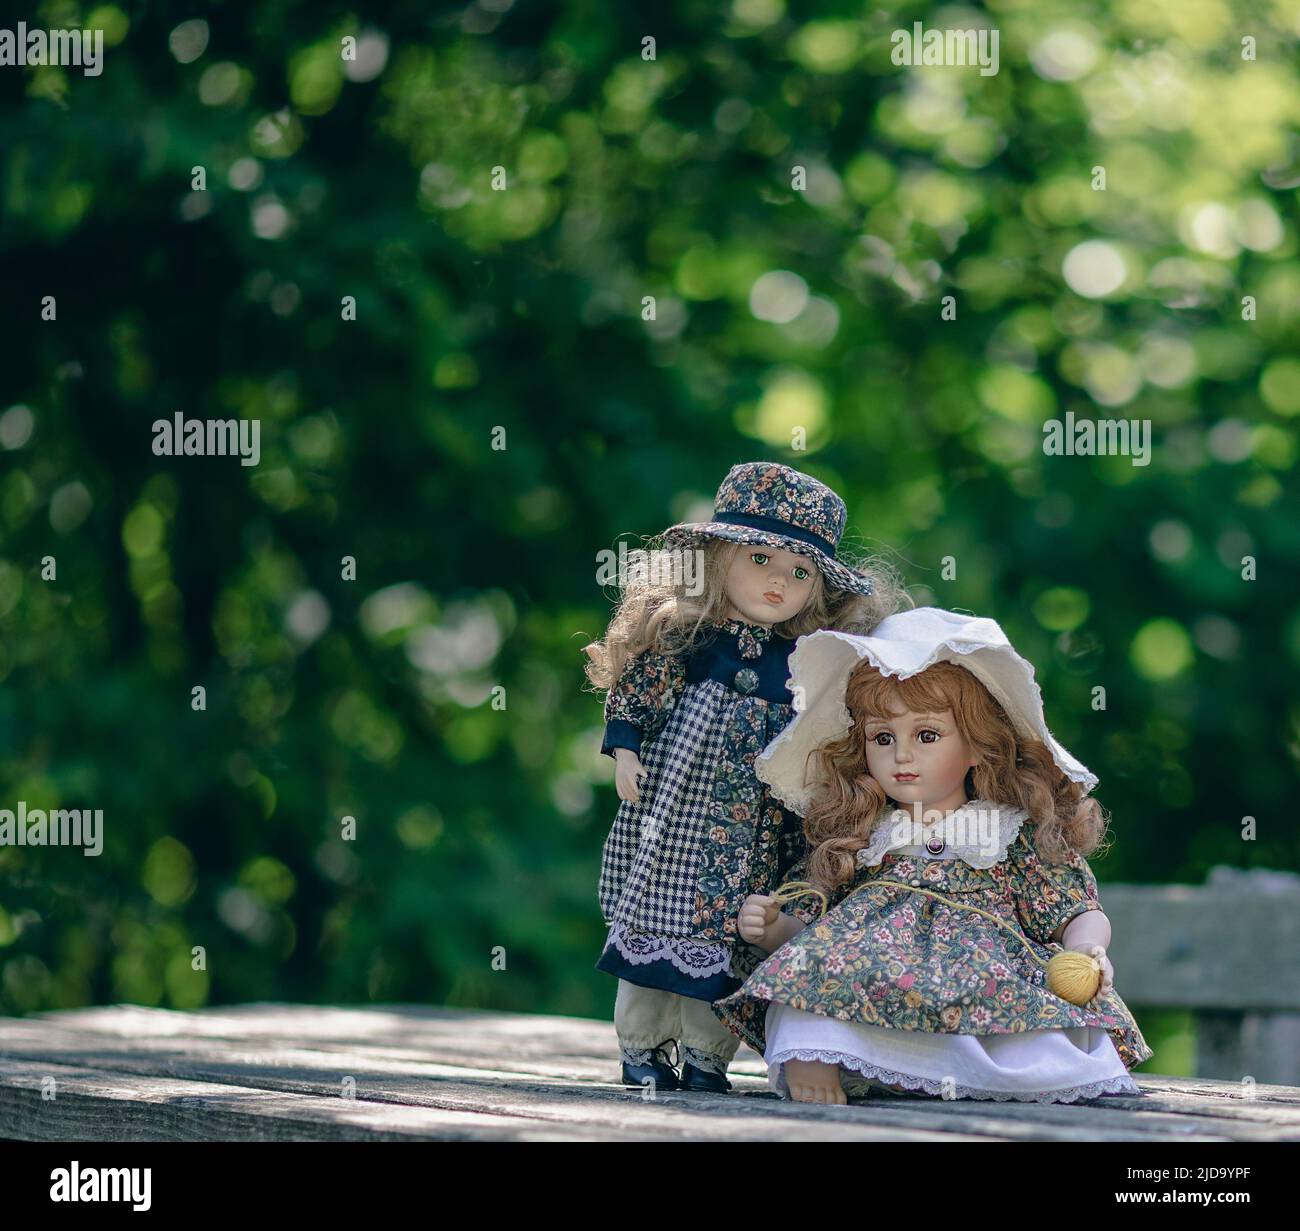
x: 800, y: 574
x: 759, y: 558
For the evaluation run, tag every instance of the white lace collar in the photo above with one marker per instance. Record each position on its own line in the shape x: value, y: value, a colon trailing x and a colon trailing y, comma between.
x: 978, y: 833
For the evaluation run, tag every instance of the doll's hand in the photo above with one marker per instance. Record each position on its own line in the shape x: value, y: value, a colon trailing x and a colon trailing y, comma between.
x: 1098, y: 953
x: 756, y: 916
x: 627, y: 769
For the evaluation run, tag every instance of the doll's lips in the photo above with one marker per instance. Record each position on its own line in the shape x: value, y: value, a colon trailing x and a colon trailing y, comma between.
x: 906, y: 777
x: 774, y: 597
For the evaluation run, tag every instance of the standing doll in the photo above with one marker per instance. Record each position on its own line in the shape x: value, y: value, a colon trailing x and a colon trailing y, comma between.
x: 947, y: 831
x: 696, y: 690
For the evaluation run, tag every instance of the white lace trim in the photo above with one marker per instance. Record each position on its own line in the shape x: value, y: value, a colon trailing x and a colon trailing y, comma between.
x: 697, y: 959
x: 961, y: 829
x: 643, y: 1055
x: 705, y: 1060
x: 1123, y: 1084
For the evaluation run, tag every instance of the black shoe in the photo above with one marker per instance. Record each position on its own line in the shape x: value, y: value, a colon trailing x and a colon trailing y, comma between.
x: 702, y: 1081
x: 658, y: 1070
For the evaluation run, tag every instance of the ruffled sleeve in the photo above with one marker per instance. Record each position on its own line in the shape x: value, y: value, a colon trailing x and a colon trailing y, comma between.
x: 641, y: 699
x: 1048, y: 895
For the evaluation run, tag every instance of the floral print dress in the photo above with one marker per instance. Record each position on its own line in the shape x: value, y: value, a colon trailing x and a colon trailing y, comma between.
x: 679, y: 863
x: 901, y: 989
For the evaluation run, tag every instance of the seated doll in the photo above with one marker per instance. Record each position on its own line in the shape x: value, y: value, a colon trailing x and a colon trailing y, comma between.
x: 947, y: 832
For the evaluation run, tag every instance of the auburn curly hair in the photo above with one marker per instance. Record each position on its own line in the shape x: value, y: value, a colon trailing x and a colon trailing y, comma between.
x: 1010, y: 770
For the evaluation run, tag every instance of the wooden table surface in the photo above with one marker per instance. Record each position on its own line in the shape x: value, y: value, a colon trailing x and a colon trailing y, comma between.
x: 288, y: 1072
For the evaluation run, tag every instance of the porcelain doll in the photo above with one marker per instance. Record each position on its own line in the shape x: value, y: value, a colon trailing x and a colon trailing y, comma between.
x: 696, y: 689
x: 930, y: 785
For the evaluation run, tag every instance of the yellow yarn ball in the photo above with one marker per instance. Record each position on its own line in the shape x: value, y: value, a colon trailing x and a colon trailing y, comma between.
x: 1074, y: 976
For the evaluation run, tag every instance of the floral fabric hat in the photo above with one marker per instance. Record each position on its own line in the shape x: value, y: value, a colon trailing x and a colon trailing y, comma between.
x: 900, y: 645
x: 767, y: 504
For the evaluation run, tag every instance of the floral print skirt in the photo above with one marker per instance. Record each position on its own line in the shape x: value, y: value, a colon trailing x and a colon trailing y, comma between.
x: 897, y: 960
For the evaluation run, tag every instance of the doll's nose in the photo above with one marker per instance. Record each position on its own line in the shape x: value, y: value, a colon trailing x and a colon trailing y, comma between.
x: 902, y: 753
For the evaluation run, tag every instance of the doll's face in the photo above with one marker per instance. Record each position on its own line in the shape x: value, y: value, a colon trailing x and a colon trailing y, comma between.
x: 766, y: 585
x: 919, y: 758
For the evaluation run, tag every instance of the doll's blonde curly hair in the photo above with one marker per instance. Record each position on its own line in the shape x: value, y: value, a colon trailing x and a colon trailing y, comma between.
x: 666, y: 619
x: 1011, y: 770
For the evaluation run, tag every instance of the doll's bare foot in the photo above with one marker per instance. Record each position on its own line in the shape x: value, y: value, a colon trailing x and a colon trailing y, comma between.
x: 811, y: 1081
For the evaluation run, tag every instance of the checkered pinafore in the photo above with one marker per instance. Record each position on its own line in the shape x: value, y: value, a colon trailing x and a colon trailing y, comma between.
x: 706, y: 833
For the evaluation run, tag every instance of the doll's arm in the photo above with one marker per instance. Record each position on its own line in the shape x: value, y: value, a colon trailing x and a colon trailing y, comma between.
x: 1083, y: 931
x: 639, y: 701
x: 785, y: 927
x: 764, y: 924
x: 1051, y: 897
x: 628, y: 772
x: 1058, y: 902
x: 1090, y: 933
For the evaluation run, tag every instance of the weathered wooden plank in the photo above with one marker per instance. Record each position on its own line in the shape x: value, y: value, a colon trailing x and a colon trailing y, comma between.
x: 528, y: 1112
x: 549, y: 1046
x: 603, y: 1108
x: 146, y: 1043
x: 467, y: 1041
x: 91, y: 1105
x: 1205, y: 946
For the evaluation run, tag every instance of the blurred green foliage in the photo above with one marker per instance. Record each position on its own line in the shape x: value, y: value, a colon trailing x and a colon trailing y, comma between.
x: 777, y: 307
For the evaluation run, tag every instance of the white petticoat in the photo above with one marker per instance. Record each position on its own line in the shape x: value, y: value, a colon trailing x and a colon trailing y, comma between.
x: 1037, y: 1066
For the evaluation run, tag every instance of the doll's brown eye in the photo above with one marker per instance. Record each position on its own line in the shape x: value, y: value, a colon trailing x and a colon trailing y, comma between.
x: 929, y: 741
x: 882, y: 738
